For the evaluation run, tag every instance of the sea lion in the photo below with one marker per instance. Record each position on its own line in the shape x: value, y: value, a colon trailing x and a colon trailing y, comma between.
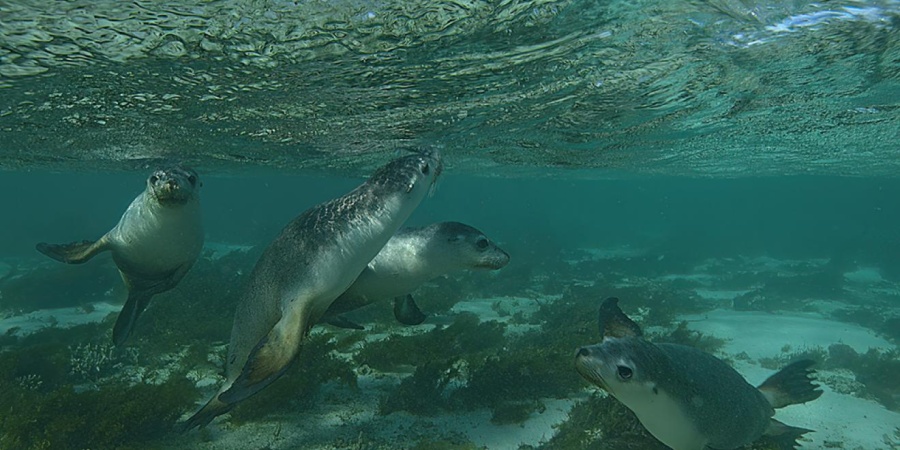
x: 155, y: 243
x: 686, y: 398
x: 412, y: 257
x: 315, y: 259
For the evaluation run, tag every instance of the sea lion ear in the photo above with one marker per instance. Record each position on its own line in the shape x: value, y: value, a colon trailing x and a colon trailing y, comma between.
x: 614, y: 323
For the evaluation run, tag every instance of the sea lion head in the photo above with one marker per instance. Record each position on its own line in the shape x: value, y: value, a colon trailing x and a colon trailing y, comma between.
x: 471, y: 246
x: 173, y: 185
x: 624, y: 363
x: 408, y: 175
x: 625, y: 367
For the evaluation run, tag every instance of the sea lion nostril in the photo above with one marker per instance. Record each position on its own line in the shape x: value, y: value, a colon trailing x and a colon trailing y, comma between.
x: 583, y: 352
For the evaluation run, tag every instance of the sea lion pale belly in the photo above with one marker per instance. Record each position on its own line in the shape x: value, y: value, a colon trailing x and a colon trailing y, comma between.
x: 314, y: 259
x: 410, y: 258
x: 155, y: 243
x: 686, y: 398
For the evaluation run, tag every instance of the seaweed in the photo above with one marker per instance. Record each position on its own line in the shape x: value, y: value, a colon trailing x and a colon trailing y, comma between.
x: 422, y: 393
x: 684, y: 336
x: 466, y: 335
x: 871, y: 317
x: 792, y: 292
x: 601, y: 423
x: 528, y: 368
x: 817, y: 354
x: 118, y: 416
x: 526, y: 371
x: 46, y: 354
x: 878, y: 370
x: 503, y: 374
x: 445, y: 444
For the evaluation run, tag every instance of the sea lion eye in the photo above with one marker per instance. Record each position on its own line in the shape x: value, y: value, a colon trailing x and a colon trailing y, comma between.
x: 481, y: 243
x: 426, y: 168
x: 153, y: 179
x: 625, y: 372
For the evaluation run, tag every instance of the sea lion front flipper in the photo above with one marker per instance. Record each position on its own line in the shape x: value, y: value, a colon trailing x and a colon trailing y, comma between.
x: 271, y: 356
x: 407, y: 312
x: 614, y: 323
x: 75, y: 252
x: 136, y: 304
x: 343, y: 322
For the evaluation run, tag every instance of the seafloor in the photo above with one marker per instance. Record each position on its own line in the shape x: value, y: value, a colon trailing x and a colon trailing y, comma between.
x: 491, y: 367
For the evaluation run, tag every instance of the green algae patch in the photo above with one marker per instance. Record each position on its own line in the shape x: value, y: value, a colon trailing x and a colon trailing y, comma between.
x: 602, y: 423
x: 421, y: 393
x: 429, y: 444
x: 117, y: 416
x: 466, y: 336
x: 692, y: 338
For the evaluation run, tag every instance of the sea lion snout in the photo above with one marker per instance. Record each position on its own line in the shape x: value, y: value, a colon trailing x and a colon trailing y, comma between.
x: 497, y: 259
x: 589, y: 364
x: 500, y: 260
x: 174, y: 185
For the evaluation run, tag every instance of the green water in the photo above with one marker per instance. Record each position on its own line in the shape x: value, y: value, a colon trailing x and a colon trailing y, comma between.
x: 706, y: 88
x: 727, y: 168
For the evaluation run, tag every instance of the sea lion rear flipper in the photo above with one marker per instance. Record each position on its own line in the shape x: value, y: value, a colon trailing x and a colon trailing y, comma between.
x: 791, y: 385
x: 407, y: 312
x: 213, y: 408
x: 136, y: 304
x: 75, y: 252
x: 343, y: 322
x: 782, y: 436
x: 614, y: 323
x: 271, y: 356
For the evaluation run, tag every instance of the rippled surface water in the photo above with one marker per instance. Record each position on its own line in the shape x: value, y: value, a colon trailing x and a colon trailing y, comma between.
x: 722, y: 88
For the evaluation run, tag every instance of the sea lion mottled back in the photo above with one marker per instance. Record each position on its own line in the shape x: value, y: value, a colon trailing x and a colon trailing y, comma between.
x: 314, y: 259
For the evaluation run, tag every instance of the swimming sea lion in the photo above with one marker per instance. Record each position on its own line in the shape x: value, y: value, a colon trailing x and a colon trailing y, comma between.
x: 412, y: 257
x: 313, y: 261
x: 686, y: 398
x: 154, y: 244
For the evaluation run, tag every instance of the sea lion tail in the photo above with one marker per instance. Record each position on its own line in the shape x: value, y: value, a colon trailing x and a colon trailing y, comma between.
x: 136, y: 304
x: 72, y: 253
x: 213, y: 408
x: 783, y: 436
x: 791, y: 385
x: 271, y: 356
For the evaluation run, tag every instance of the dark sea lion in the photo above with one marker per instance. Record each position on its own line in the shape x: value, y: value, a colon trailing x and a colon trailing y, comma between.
x: 312, y: 262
